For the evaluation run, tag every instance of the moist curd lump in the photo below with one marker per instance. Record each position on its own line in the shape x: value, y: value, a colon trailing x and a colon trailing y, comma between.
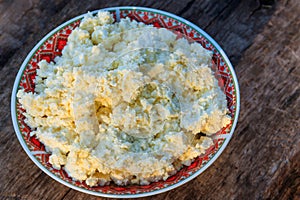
x: 125, y: 102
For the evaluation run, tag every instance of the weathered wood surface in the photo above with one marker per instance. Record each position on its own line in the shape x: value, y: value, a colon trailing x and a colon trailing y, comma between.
x: 262, y: 38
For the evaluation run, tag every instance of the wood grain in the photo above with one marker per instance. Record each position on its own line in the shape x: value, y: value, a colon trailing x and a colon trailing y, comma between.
x: 262, y: 39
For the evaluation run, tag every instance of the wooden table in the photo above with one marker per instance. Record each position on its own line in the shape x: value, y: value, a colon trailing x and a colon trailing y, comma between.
x: 262, y: 39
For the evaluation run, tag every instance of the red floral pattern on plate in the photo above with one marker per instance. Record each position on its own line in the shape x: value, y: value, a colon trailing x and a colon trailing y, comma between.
x: 53, y: 47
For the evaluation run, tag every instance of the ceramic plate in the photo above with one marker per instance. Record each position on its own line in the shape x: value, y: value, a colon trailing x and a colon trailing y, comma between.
x: 51, y: 46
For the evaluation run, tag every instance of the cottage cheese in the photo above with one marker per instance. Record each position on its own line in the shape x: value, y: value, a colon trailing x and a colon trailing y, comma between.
x: 125, y: 103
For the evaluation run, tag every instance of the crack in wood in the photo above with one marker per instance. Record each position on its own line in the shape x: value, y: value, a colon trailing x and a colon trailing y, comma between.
x: 290, y: 100
x: 63, y: 197
x: 187, y: 7
x: 217, y: 16
x: 263, y: 4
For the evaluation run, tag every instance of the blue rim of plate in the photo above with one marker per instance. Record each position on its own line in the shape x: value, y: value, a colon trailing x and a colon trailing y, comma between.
x: 117, y: 9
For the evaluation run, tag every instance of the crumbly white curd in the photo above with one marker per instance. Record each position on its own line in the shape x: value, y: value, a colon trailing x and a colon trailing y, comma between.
x: 125, y: 103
